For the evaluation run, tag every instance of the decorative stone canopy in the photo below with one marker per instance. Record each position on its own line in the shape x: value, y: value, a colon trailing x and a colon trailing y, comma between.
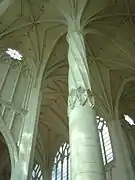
x: 38, y: 28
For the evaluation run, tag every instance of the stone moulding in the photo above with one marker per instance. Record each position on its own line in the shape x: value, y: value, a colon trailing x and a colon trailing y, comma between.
x: 80, y: 96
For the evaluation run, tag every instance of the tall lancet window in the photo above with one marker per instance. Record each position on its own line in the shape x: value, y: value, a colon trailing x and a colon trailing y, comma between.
x: 61, y: 165
x: 105, y: 140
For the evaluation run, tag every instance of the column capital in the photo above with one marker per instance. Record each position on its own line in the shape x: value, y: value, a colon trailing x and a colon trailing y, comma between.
x: 80, y: 97
x: 74, y: 27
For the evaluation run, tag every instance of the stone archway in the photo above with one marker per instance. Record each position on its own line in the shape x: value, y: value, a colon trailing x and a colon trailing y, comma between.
x: 5, y: 162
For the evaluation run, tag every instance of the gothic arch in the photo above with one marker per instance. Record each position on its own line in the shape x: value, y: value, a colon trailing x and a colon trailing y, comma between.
x: 9, y: 142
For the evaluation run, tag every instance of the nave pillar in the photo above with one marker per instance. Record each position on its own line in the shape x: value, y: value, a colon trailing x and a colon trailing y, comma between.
x: 86, y: 158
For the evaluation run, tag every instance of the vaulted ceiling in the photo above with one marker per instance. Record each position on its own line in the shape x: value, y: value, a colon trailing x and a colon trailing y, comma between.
x: 38, y: 28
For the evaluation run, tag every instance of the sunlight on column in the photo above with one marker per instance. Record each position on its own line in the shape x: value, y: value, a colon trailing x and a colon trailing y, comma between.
x: 24, y: 150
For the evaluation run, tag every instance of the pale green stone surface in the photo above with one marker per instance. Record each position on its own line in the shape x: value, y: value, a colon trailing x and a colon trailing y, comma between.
x: 104, y: 61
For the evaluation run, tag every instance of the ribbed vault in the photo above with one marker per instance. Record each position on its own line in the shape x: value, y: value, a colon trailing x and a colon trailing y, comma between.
x: 38, y: 29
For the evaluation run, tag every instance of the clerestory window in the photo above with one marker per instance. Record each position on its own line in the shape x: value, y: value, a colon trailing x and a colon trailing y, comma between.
x: 129, y: 120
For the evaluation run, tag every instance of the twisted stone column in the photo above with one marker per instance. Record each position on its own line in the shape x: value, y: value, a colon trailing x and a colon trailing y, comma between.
x: 86, y: 157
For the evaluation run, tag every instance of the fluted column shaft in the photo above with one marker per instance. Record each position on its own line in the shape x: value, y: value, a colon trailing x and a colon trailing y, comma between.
x: 86, y: 158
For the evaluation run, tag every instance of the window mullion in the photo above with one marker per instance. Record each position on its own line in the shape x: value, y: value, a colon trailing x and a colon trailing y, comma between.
x: 56, y: 170
x: 62, y: 169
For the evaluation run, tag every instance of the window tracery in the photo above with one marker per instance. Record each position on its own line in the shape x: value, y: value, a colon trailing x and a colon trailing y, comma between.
x: 62, y: 163
x: 37, y: 173
x: 105, y: 140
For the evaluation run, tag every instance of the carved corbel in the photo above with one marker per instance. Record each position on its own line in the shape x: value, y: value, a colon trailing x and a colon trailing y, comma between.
x: 80, y: 96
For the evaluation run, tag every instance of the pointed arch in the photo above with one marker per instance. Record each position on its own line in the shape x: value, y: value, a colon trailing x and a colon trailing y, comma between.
x: 9, y: 142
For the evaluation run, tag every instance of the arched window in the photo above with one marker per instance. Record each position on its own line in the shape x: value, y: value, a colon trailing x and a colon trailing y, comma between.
x: 61, y: 163
x: 37, y: 173
x: 105, y: 140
